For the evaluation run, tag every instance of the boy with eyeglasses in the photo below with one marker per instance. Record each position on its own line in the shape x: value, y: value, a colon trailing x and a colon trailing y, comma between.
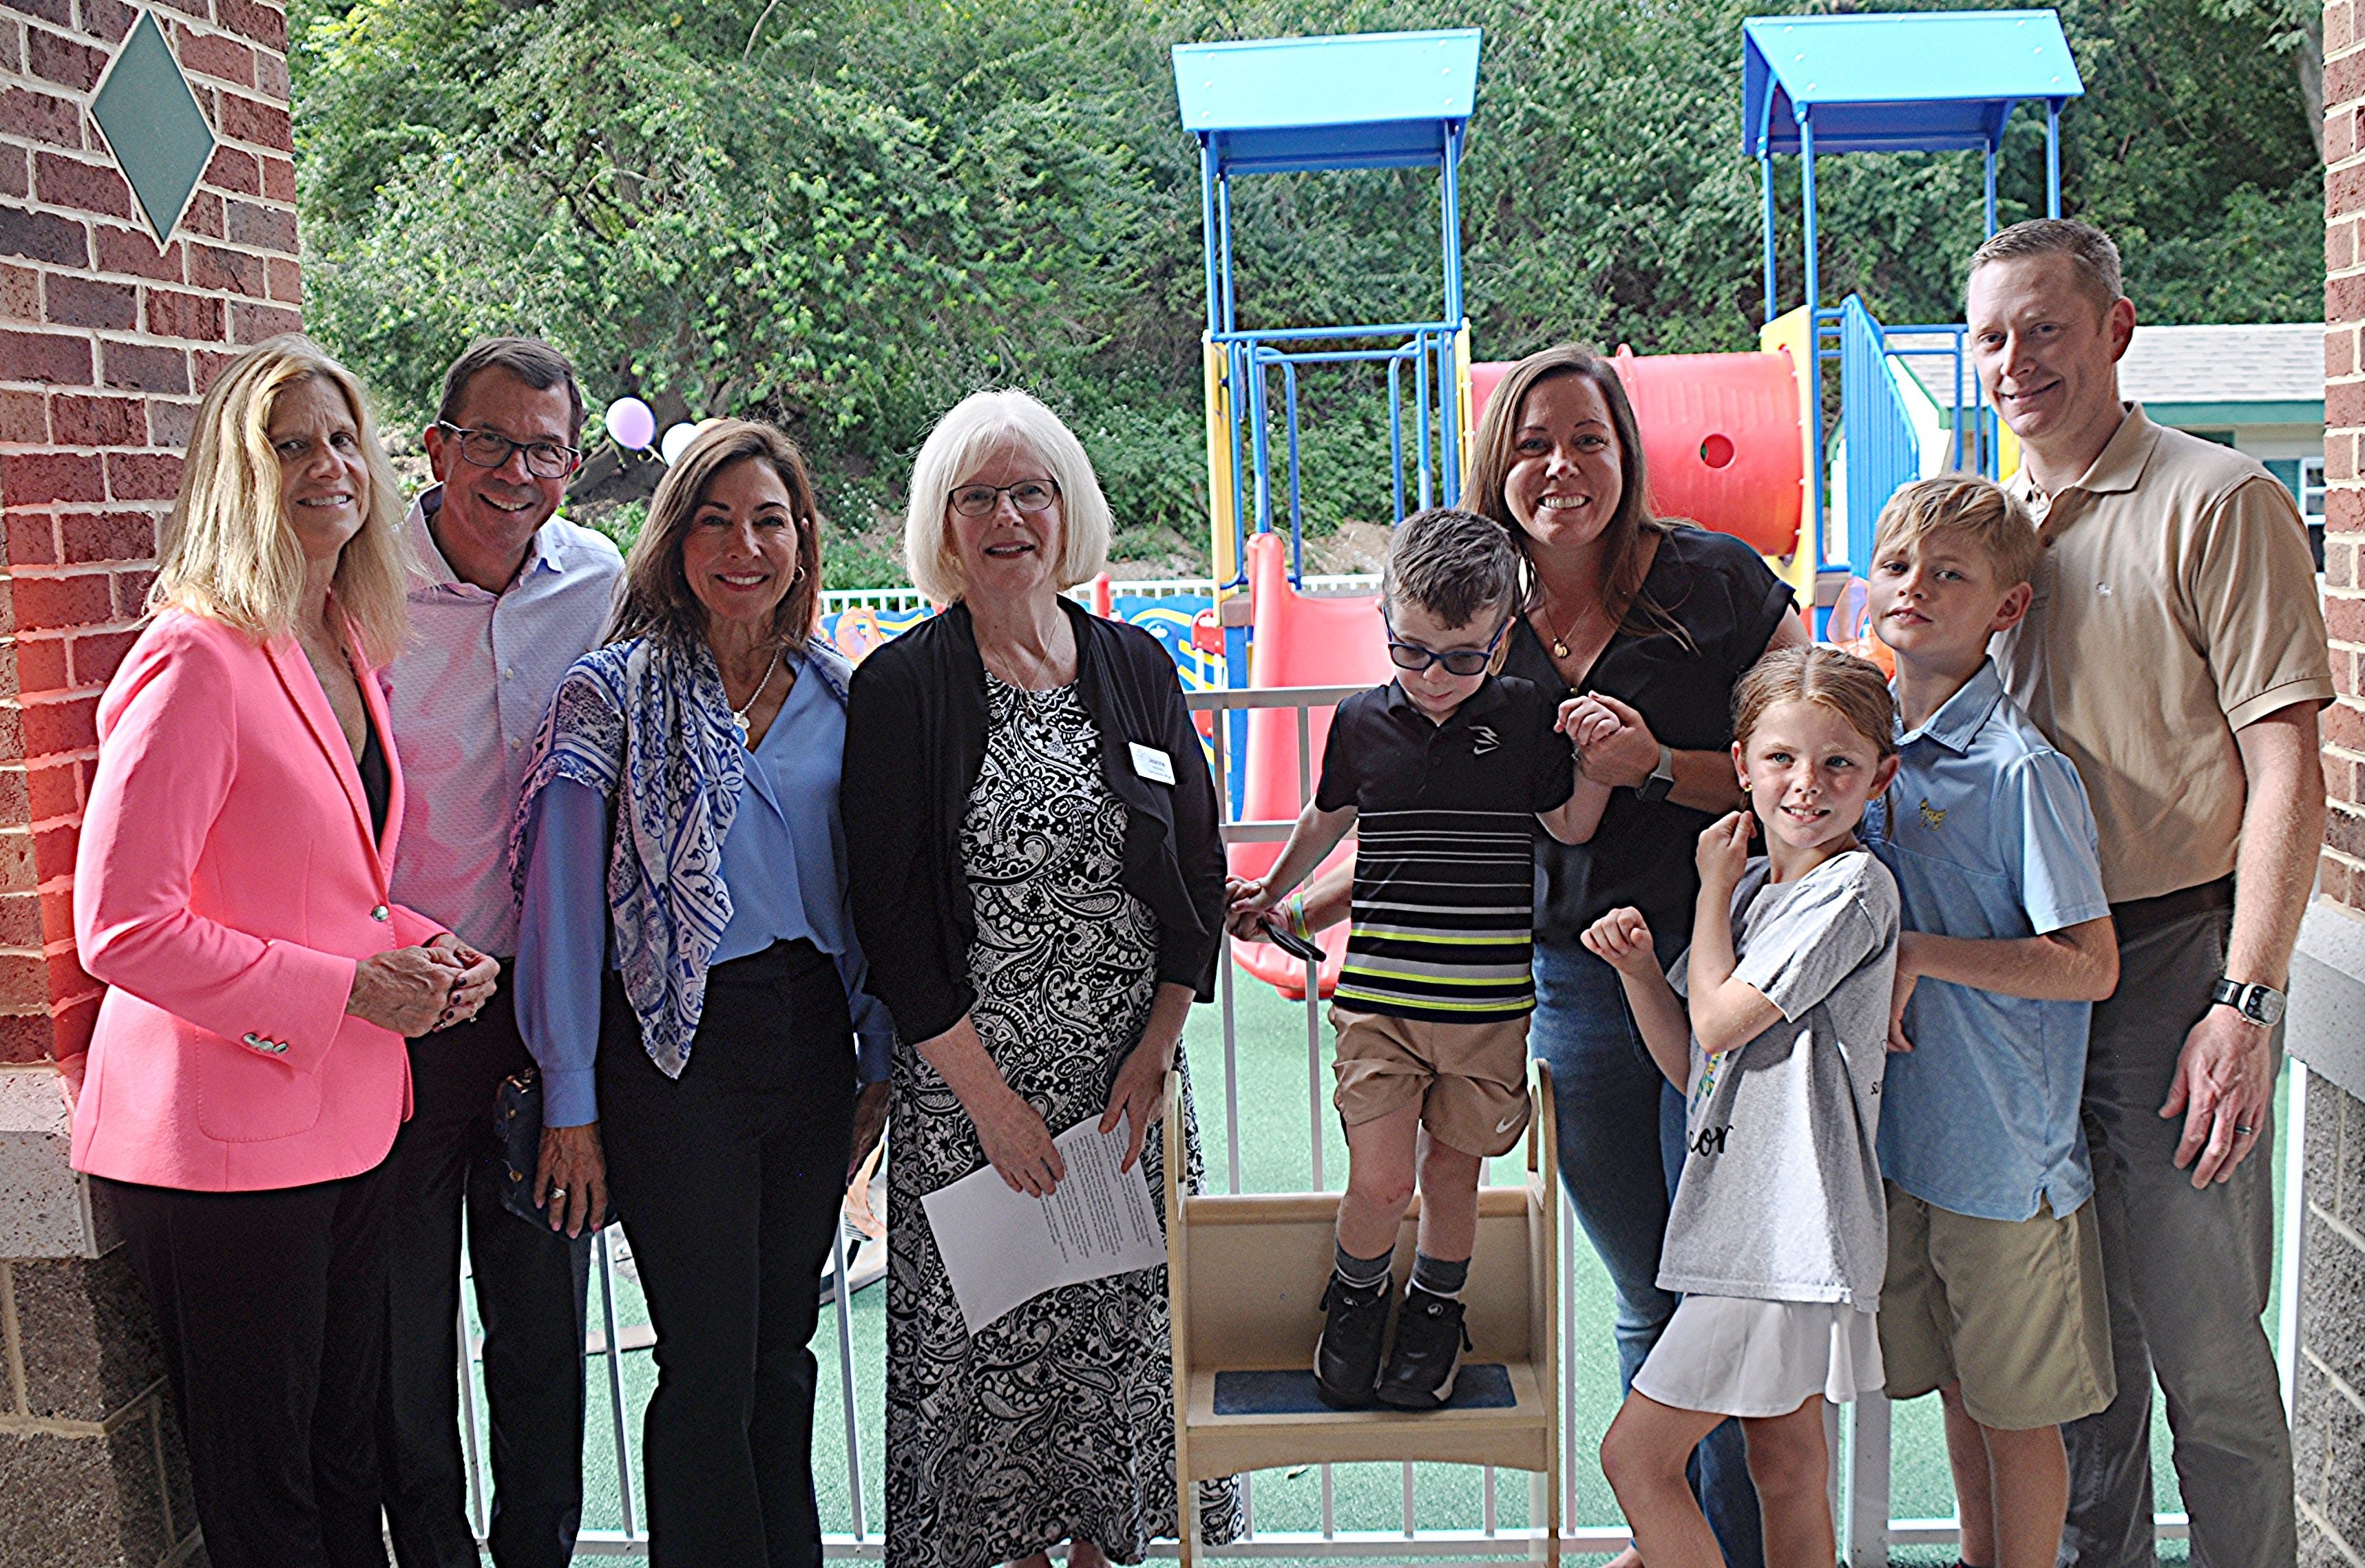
x: 1443, y: 770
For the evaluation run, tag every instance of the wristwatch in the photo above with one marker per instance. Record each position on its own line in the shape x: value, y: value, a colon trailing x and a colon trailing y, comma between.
x: 1662, y: 778
x: 2261, y: 1005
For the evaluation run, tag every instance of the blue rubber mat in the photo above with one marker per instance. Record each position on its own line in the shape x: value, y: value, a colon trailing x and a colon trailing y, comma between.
x: 1483, y: 1385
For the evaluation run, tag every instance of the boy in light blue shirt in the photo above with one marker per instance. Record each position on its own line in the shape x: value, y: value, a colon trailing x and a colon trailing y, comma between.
x: 1994, y: 1291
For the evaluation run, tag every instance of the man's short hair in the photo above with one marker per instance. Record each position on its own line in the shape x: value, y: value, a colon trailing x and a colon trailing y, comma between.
x: 1964, y: 506
x: 1452, y: 563
x: 2090, y: 253
x: 531, y: 360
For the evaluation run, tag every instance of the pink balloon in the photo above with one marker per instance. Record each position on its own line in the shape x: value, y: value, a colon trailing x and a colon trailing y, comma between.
x: 631, y: 423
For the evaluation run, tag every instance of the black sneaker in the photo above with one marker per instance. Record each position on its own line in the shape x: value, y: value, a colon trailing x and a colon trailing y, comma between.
x: 1429, y: 1342
x: 1347, y: 1357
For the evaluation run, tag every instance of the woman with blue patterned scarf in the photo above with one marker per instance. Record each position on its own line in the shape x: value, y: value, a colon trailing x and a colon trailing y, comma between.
x: 690, y: 984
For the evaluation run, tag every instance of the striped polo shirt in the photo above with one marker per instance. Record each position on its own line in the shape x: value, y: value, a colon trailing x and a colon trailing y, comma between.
x: 1442, y: 912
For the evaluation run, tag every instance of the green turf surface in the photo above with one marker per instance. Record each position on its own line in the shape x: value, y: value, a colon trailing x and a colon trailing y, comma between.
x: 1275, y: 1134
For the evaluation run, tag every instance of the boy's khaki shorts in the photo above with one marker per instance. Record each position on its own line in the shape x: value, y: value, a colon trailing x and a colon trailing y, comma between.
x: 1471, y: 1079
x: 2012, y: 1310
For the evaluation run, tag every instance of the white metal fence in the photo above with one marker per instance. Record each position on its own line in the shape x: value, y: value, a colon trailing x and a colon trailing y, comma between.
x: 892, y: 600
x: 1861, y: 1472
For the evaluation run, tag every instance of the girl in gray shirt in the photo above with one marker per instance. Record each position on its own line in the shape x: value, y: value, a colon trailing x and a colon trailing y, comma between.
x: 1776, y: 1023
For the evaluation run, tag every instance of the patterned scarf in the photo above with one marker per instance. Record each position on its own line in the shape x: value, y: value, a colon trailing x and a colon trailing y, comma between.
x: 645, y: 723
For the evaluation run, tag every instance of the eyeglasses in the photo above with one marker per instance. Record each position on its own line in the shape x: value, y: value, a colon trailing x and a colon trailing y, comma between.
x: 1028, y: 496
x: 543, y: 459
x: 1457, y: 661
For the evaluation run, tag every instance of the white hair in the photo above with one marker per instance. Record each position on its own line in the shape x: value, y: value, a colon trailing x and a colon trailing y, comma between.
x: 978, y: 426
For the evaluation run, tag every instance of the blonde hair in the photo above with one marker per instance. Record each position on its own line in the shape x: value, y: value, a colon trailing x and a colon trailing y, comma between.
x: 229, y: 551
x: 1850, y: 686
x: 1964, y: 506
x: 977, y: 426
x: 2091, y: 254
x: 656, y: 598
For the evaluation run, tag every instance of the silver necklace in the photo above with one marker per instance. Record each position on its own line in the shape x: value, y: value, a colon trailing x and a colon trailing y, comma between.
x: 739, y: 715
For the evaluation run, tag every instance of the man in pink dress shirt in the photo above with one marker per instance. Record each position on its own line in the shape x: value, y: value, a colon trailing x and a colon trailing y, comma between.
x: 506, y: 595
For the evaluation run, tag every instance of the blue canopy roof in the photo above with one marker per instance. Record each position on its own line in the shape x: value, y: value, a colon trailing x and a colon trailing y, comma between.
x: 1901, y: 82
x: 1364, y: 101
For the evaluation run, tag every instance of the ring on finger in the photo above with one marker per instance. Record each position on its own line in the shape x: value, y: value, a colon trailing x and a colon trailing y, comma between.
x: 2242, y: 1131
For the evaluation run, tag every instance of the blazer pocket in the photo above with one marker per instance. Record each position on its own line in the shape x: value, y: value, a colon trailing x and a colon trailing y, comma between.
x: 245, y: 1096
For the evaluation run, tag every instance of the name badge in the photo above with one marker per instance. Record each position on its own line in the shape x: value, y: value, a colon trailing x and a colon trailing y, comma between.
x: 1151, y: 763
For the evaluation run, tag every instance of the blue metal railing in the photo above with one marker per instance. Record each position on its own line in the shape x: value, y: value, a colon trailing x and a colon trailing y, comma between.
x: 1883, y: 451
x: 1250, y: 357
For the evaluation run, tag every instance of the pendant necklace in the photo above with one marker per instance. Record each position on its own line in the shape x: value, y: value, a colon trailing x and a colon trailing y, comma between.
x: 739, y: 715
x: 1560, y: 642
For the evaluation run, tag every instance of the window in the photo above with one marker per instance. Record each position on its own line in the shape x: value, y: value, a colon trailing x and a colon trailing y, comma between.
x: 2311, y: 489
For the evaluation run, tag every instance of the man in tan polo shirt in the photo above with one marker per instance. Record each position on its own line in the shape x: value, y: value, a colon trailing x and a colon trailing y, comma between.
x: 2175, y: 653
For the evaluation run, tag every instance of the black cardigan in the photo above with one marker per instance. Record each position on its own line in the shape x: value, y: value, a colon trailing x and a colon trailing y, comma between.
x: 916, y: 724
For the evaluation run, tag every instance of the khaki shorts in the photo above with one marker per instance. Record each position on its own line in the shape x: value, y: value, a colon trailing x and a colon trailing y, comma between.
x: 2012, y: 1310
x: 1471, y: 1079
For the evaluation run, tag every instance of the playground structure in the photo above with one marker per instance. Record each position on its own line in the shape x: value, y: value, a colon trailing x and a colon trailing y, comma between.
x: 1733, y: 441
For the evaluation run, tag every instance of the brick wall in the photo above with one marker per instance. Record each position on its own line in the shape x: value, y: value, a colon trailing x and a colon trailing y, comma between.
x: 106, y: 342
x: 106, y: 339
x: 2328, y: 1408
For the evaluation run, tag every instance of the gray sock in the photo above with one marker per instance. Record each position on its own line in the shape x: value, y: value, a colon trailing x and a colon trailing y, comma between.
x: 1439, y: 1277
x: 1361, y: 1273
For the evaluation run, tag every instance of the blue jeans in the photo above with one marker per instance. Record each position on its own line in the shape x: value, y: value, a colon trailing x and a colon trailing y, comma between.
x: 1622, y: 1143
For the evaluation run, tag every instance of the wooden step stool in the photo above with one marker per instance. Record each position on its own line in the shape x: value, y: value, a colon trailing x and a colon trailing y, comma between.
x: 1245, y: 1275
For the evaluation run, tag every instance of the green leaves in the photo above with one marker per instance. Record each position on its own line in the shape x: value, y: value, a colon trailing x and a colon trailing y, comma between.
x: 845, y: 217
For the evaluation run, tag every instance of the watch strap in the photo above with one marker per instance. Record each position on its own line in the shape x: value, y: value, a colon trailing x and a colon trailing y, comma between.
x: 2259, y: 1003
x: 1662, y: 778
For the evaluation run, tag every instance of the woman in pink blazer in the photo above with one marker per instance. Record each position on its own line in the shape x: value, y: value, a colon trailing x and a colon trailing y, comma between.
x: 247, y: 1072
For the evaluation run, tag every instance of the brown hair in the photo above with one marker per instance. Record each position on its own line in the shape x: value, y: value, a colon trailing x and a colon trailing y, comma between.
x: 531, y: 360
x: 1495, y: 454
x: 1850, y: 686
x: 2090, y: 251
x: 656, y: 600
x: 1964, y: 506
x: 1452, y: 563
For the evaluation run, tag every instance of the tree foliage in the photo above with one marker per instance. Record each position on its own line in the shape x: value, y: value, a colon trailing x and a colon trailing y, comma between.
x: 843, y: 217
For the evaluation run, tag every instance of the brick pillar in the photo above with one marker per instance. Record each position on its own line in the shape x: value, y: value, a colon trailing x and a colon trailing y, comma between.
x: 107, y: 335
x: 2326, y: 1027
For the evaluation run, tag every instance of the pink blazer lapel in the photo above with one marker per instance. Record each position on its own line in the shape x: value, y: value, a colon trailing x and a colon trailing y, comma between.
x: 303, y: 688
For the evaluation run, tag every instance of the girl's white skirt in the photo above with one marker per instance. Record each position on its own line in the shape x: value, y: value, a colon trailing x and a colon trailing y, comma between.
x: 1734, y: 1357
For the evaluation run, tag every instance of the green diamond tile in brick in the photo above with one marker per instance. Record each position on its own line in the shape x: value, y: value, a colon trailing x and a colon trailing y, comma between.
x: 151, y: 121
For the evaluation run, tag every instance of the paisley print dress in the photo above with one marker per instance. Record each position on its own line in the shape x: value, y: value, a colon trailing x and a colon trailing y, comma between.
x: 1057, y: 1421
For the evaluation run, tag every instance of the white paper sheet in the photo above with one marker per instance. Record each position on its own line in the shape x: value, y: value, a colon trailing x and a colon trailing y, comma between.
x: 1003, y: 1248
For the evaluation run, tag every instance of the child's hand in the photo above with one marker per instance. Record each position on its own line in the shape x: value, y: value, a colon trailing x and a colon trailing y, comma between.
x: 1245, y: 901
x: 1898, y: 996
x: 1724, y: 852
x: 1585, y: 721
x: 1622, y: 940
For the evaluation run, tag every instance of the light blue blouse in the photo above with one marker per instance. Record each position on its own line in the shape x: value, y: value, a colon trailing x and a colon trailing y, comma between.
x: 783, y: 861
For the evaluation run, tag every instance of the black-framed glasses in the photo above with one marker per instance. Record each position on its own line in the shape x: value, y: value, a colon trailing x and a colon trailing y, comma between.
x: 1457, y: 661
x: 488, y: 449
x: 1028, y: 496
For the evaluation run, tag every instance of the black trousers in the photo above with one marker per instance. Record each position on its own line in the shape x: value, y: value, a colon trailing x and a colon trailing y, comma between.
x: 729, y: 1180
x: 271, y: 1311
x: 530, y: 1295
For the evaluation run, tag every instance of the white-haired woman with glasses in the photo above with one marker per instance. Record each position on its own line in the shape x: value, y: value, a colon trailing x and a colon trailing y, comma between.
x: 1038, y: 878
